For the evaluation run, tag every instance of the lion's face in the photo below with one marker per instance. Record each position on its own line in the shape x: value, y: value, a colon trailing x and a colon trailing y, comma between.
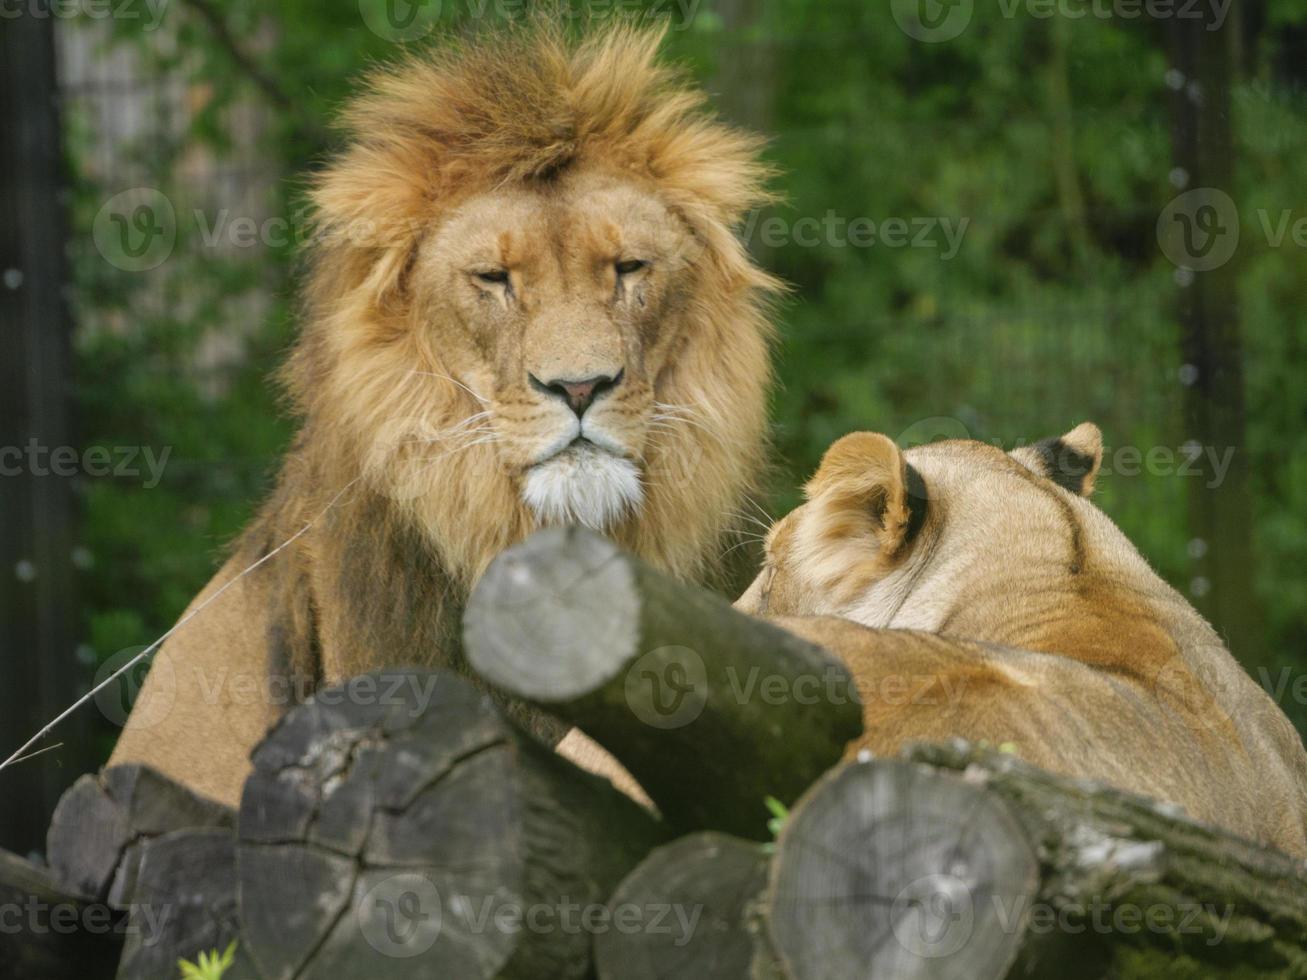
x: 558, y: 308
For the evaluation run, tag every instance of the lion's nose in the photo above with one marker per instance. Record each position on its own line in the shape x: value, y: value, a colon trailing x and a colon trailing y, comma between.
x: 580, y: 395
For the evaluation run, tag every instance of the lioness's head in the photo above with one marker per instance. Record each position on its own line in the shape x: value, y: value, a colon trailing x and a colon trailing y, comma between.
x: 529, y: 305
x: 894, y: 538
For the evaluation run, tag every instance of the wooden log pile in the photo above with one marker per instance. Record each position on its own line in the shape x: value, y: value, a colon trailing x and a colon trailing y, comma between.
x: 400, y: 825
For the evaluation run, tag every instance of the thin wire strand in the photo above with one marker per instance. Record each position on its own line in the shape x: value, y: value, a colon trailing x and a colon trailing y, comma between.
x: 18, y: 756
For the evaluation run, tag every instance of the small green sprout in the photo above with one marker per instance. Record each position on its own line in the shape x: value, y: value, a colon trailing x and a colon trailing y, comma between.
x: 779, y: 814
x: 211, y: 965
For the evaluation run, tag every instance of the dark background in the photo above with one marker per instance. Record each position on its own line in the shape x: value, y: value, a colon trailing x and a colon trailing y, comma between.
x: 1125, y: 184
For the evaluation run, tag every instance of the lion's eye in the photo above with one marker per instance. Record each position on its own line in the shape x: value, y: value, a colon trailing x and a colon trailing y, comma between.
x: 494, y: 277
x: 630, y: 266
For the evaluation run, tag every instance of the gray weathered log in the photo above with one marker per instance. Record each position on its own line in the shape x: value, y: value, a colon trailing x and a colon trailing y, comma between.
x: 691, y: 909
x: 1149, y: 892
x: 960, y: 862
x: 711, y: 710
x: 49, y: 934
x: 94, y: 837
x: 183, y: 903
x: 892, y: 870
x: 399, y: 826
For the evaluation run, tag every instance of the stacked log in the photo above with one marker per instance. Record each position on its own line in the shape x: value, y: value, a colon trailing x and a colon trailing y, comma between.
x: 959, y: 862
x: 400, y: 825
x: 712, y: 711
x: 48, y: 933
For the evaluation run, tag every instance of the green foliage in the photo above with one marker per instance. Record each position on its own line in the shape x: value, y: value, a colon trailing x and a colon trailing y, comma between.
x: 779, y: 814
x: 210, y: 966
x: 1049, y: 138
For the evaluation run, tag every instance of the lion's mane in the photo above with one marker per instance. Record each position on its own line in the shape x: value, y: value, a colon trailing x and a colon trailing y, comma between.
x: 380, y: 576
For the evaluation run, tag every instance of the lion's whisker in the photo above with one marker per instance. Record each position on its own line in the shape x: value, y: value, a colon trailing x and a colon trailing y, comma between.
x: 688, y: 421
x: 762, y: 511
x: 738, y: 545
x: 751, y: 520
x: 432, y: 374
x: 458, y: 449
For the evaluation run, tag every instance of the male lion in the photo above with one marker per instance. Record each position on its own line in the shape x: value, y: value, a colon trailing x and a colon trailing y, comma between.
x: 527, y: 306
x: 1006, y: 607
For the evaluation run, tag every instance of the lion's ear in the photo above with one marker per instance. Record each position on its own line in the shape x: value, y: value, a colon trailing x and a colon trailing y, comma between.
x: 1071, y: 461
x: 864, y: 483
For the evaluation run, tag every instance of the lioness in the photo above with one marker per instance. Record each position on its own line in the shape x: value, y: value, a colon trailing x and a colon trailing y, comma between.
x: 527, y: 306
x: 1024, y: 616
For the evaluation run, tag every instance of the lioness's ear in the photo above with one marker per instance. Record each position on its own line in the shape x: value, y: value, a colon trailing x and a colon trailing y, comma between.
x: 1071, y: 461
x: 864, y: 480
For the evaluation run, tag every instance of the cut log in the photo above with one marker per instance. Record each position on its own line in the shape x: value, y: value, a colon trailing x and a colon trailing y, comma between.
x: 711, y: 710
x: 183, y: 904
x: 962, y: 862
x: 692, y: 912
x: 1131, y: 887
x: 102, y: 818
x: 892, y: 870
x: 49, y: 934
x: 400, y: 826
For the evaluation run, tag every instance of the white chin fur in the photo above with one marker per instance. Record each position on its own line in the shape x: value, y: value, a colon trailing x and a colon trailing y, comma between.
x: 583, y: 485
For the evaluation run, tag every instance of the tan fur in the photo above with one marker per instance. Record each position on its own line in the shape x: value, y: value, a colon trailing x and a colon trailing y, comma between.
x: 554, y: 160
x: 1020, y: 614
